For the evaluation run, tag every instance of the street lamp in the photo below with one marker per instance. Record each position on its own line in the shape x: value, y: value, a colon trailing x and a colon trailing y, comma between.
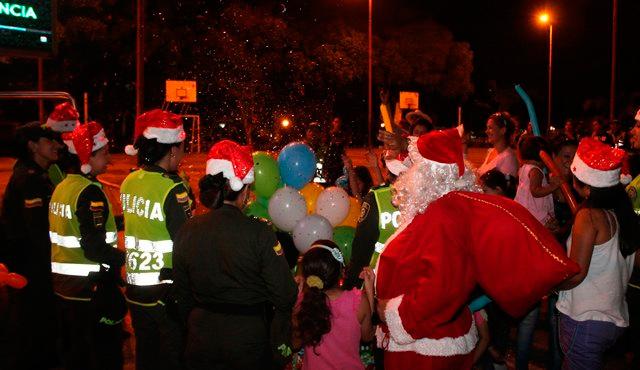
x: 370, y: 87
x: 545, y: 18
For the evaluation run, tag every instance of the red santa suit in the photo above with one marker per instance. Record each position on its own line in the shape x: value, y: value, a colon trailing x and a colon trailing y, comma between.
x: 449, y: 242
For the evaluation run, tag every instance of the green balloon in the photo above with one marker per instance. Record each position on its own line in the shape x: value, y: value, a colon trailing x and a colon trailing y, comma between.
x: 343, y: 237
x: 263, y: 201
x: 256, y: 209
x: 266, y: 173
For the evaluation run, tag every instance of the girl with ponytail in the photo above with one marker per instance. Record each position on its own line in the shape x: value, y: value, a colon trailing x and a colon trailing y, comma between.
x: 330, y: 322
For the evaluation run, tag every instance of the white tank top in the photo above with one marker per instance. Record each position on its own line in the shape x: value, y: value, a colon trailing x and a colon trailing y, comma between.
x: 601, y: 295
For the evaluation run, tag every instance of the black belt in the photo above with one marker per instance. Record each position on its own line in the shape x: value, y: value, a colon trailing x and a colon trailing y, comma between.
x: 257, y: 309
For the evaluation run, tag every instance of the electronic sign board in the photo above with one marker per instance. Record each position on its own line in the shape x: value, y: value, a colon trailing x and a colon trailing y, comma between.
x: 26, y: 27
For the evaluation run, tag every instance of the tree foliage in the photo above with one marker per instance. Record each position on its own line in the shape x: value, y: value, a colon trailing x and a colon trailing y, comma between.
x: 253, y: 65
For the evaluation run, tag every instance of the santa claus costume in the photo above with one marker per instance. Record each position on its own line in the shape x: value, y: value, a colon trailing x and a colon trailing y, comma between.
x: 451, y: 239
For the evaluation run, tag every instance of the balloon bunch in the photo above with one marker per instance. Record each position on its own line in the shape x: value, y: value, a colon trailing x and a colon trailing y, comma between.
x: 286, y: 196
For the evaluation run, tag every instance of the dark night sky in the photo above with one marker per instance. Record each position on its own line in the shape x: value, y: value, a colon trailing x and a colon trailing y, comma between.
x: 509, y: 46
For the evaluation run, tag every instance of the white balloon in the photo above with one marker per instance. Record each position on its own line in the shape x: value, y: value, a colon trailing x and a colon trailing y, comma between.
x: 333, y: 204
x: 286, y: 208
x: 309, y: 230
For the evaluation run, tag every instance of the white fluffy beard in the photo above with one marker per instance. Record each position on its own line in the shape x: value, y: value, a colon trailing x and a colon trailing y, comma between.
x: 426, y: 181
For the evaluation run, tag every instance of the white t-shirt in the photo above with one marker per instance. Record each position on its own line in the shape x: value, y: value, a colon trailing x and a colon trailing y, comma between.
x: 506, y: 162
x: 541, y: 208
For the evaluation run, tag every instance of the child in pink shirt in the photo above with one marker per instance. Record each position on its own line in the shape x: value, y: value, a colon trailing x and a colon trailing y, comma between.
x: 328, y: 321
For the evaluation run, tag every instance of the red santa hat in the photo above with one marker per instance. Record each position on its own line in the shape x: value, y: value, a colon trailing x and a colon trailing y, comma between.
x: 84, y: 140
x: 443, y: 147
x: 597, y: 164
x: 64, y: 118
x: 233, y: 160
x: 165, y: 127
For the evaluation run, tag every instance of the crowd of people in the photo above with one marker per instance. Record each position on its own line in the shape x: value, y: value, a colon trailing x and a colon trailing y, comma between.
x: 445, y: 256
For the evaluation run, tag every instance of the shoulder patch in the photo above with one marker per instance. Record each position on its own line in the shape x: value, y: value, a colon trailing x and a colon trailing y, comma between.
x: 33, y: 203
x: 96, y: 206
x: 278, y: 249
x: 364, y: 211
x: 182, y: 197
x: 632, y: 192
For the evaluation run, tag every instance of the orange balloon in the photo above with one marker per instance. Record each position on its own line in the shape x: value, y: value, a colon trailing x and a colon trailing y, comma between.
x: 310, y: 193
x: 353, y: 215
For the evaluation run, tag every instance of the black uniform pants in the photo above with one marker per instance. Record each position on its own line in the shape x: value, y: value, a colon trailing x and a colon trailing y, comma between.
x: 218, y: 341
x: 84, y: 343
x: 159, y: 343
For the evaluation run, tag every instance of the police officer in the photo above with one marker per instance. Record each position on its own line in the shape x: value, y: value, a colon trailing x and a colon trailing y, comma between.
x: 155, y: 204
x: 83, y: 251
x: 231, y: 274
x: 379, y: 219
x: 27, y: 249
x: 64, y: 118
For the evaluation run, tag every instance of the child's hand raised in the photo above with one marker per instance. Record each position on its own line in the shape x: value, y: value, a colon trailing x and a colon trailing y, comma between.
x: 369, y: 278
x: 555, y: 181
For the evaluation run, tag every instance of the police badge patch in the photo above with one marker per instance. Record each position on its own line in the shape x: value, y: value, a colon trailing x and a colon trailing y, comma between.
x: 278, y: 249
x: 97, y: 211
x: 364, y: 211
x: 182, y: 197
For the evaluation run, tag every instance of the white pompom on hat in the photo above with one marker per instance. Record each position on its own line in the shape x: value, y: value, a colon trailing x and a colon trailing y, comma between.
x: 165, y: 127
x: 84, y: 140
x: 233, y: 160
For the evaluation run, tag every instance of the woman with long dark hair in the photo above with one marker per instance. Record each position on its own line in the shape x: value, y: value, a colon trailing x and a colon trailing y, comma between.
x: 330, y: 322
x: 235, y: 291
x: 603, y: 241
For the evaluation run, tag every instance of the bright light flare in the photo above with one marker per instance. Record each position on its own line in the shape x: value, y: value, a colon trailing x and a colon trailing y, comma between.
x: 285, y: 123
x: 544, y: 18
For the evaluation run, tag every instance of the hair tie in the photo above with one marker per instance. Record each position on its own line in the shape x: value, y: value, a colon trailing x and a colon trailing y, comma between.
x: 314, y: 281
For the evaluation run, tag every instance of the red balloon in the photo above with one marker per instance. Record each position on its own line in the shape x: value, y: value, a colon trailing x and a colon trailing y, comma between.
x: 12, y: 279
x: 565, y: 187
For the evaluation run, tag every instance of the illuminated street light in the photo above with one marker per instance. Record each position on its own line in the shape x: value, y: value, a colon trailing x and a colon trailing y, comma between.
x: 285, y: 123
x: 545, y: 18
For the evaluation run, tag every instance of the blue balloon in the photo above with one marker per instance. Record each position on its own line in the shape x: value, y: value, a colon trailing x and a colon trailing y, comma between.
x: 530, y: 109
x: 297, y: 164
x: 479, y: 303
